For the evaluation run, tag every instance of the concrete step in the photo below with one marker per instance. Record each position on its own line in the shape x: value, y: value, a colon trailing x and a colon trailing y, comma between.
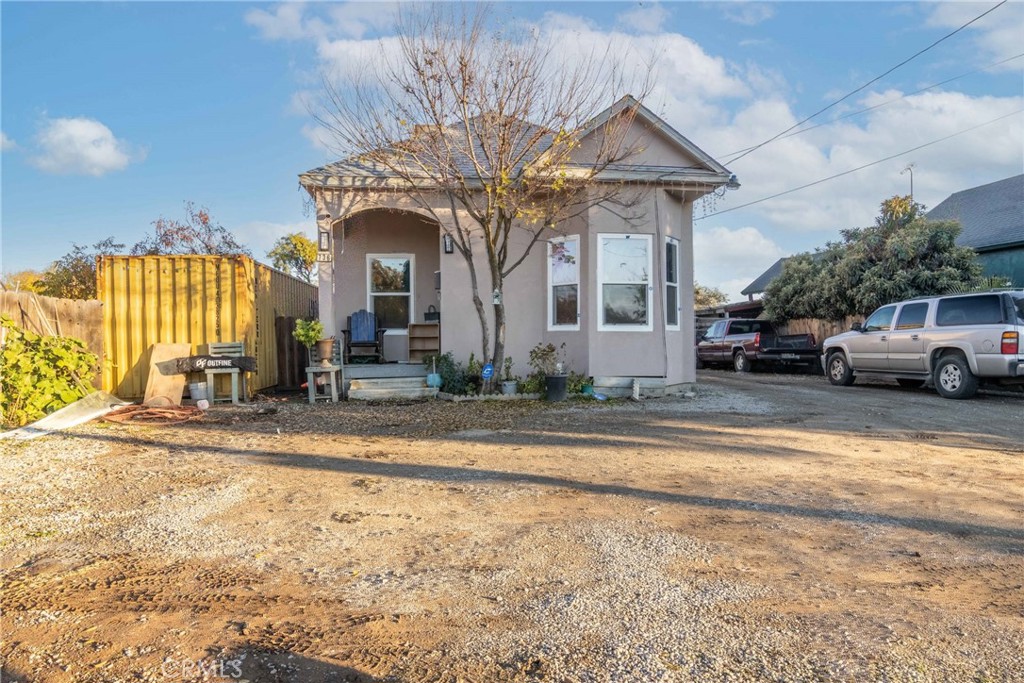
x: 383, y: 370
x: 384, y: 393
x: 388, y: 383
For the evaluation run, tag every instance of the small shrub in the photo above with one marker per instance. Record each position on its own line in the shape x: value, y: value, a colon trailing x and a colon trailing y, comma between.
x: 40, y: 374
x: 548, y: 358
x: 574, y: 385
x: 453, y: 374
x: 533, y: 384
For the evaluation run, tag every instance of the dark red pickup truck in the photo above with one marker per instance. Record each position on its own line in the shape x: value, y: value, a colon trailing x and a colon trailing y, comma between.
x: 744, y: 343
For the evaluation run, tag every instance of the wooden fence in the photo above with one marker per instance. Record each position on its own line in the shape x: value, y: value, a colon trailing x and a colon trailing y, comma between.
x: 821, y: 329
x: 57, y: 317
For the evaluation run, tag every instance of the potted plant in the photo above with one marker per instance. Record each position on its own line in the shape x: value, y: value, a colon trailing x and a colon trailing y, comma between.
x: 549, y: 360
x: 508, y: 382
x: 310, y: 332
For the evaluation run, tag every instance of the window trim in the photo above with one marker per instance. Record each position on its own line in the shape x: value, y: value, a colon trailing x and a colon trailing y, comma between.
x: 601, y: 325
x: 673, y: 242
x: 412, y: 288
x: 551, y: 325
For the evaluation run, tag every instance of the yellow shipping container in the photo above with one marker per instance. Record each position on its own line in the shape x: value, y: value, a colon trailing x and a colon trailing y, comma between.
x: 195, y: 300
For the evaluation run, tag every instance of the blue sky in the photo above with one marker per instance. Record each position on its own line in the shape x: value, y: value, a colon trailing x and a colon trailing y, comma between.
x: 115, y: 114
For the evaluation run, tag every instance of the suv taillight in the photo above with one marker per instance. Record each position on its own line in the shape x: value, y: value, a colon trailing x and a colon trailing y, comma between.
x: 1010, y: 342
x: 757, y: 340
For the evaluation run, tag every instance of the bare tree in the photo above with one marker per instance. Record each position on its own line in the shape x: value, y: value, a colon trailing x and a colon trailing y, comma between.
x: 491, y: 130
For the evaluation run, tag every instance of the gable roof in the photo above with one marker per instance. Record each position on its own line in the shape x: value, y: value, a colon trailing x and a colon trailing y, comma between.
x: 761, y: 282
x: 991, y: 216
x: 356, y: 171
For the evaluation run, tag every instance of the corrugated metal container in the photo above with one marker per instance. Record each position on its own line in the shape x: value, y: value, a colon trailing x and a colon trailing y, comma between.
x: 195, y: 300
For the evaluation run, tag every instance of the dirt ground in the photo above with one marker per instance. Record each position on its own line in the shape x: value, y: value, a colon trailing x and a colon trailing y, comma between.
x: 774, y: 528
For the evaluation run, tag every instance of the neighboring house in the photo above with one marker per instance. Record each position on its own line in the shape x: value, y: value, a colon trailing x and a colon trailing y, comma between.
x: 760, y: 284
x: 376, y: 238
x: 992, y: 223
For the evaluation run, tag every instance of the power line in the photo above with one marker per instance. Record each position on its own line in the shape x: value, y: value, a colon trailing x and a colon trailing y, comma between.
x: 873, y: 80
x: 882, y: 104
x: 860, y: 168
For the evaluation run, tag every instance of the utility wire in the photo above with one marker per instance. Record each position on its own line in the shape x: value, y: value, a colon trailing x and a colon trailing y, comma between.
x: 882, y: 104
x: 873, y: 80
x: 860, y: 168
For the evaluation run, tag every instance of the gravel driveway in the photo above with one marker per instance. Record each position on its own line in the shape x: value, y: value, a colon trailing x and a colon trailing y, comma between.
x: 775, y: 528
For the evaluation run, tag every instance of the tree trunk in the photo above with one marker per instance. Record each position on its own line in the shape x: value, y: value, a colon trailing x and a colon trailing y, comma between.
x: 498, y: 357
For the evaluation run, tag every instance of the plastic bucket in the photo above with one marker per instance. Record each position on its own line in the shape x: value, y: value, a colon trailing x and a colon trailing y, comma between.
x: 557, y: 387
x: 197, y: 390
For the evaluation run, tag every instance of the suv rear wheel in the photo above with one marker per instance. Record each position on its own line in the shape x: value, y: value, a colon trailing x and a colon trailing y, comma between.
x: 953, y: 378
x: 838, y: 370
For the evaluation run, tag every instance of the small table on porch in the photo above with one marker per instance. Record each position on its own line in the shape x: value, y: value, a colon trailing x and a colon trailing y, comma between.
x: 335, y: 377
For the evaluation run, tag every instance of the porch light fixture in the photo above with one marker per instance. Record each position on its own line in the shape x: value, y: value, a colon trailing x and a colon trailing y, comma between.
x: 324, y: 241
x: 449, y: 243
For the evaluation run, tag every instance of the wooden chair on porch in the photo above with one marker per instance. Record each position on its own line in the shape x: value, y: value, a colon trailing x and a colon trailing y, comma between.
x: 365, y: 336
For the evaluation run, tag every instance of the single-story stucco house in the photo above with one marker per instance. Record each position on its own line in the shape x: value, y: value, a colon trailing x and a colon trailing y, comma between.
x: 622, y: 304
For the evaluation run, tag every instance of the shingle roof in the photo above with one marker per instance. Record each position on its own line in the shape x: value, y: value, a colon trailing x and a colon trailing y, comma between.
x: 538, y: 140
x: 990, y: 215
x: 761, y: 283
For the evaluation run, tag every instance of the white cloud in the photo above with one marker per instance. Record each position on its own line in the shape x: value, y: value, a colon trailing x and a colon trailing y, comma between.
x: 732, y: 259
x: 748, y: 13
x: 6, y: 143
x: 996, y: 35
x: 645, y: 18
x: 81, y: 146
x: 290, y: 21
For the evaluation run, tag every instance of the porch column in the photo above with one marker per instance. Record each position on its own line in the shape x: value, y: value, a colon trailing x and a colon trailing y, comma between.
x: 325, y: 268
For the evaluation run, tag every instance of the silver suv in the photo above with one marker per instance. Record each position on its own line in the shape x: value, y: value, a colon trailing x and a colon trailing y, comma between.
x: 950, y: 341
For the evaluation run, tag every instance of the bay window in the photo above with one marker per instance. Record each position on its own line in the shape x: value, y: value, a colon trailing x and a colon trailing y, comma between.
x: 624, y: 287
x: 564, y: 283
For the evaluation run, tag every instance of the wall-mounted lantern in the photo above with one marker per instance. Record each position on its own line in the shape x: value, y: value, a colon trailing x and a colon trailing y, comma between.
x: 449, y: 243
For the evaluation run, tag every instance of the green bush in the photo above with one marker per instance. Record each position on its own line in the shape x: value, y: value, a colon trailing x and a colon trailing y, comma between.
x: 533, y: 384
x: 40, y: 374
x: 574, y: 385
x: 453, y: 375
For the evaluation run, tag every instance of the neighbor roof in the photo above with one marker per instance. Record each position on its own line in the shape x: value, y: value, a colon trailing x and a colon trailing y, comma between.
x: 359, y: 171
x: 761, y: 283
x: 990, y: 216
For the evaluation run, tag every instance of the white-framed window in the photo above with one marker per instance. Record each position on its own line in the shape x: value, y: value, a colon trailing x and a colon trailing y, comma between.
x: 672, y: 312
x: 564, y: 283
x: 389, y: 290
x: 624, y: 283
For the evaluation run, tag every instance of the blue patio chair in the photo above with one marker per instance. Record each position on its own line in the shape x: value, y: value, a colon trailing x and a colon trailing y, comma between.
x: 365, y: 336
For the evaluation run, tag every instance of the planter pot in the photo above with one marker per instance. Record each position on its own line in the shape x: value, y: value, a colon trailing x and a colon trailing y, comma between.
x: 557, y: 387
x: 508, y: 387
x: 325, y: 349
